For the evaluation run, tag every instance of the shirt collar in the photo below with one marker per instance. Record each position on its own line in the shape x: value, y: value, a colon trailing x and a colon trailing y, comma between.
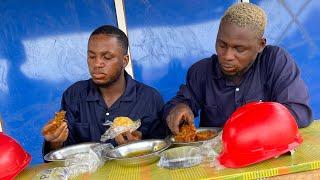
x: 129, y: 94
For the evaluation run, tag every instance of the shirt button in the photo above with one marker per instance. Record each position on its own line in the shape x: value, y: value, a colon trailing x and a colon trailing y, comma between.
x: 237, y: 89
x: 107, y: 114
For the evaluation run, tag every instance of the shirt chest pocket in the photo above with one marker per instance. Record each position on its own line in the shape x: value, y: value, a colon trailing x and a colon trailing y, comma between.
x: 80, y: 131
x: 255, y: 95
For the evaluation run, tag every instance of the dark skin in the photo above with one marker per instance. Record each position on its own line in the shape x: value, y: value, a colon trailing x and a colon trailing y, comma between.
x: 237, y: 48
x: 106, y: 61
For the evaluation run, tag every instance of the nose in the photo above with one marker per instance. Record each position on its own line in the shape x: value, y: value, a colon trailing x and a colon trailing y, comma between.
x: 98, y: 62
x: 229, y: 54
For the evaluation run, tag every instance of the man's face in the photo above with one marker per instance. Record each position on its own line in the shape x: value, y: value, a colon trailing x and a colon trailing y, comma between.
x: 106, y: 60
x: 237, y: 48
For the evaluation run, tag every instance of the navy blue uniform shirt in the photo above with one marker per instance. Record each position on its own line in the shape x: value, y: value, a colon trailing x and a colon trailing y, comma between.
x: 86, y: 111
x: 274, y: 76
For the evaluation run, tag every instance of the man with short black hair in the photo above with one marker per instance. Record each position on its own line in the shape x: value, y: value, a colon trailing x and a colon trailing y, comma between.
x: 110, y: 93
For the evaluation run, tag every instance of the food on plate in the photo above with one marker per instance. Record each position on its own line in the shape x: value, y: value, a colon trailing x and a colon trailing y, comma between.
x: 205, y: 135
x: 188, y: 133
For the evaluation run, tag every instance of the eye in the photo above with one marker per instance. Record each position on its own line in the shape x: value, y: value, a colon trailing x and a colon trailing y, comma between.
x: 240, y: 49
x: 91, y: 57
x: 222, y: 45
x: 107, y: 58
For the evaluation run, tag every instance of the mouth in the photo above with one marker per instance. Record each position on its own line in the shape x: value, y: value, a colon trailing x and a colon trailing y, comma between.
x: 228, y: 68
x: 98, y: 75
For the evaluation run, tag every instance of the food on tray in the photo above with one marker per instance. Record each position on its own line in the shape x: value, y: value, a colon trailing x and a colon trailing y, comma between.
x: 188, y: 133
x: 122, y: 121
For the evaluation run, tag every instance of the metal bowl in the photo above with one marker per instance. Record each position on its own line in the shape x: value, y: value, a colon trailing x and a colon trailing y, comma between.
x: 68, y: 152
x: 139, y: 152
x: 180, y: 157
x: 216, y: 130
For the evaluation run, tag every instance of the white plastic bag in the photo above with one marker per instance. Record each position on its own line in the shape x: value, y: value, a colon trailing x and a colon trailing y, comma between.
x: 114, y: 131
x: 77, y: 164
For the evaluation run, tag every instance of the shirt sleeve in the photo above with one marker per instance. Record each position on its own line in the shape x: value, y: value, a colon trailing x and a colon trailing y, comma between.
x: 70, y: 117
x: 152, y: 125
x: 289, y: 89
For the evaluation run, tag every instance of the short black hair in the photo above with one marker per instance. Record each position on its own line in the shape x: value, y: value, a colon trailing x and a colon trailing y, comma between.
x: 114, y: 32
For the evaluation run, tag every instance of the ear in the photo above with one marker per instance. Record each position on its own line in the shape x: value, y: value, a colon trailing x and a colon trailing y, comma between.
x: 125, y: 60
x: 262, y: 43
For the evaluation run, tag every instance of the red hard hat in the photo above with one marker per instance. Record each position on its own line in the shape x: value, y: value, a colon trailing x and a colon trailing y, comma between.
x: 256, y: 132
x: 13, y: 158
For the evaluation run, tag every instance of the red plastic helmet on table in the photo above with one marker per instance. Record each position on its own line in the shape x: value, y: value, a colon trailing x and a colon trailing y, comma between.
x: 256, y: 132
x: 13, y: 158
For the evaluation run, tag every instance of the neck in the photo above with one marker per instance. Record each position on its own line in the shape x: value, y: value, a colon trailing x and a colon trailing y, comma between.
x: 113, y: 92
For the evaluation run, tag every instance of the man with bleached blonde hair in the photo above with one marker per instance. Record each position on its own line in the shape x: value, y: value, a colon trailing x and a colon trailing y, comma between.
x: 244, y: 70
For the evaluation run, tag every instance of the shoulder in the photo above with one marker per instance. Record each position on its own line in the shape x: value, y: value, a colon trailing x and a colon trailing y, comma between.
x: 201, y: 68
x: 201, y: 65
x: 274, y: 53
x: 77, y: 88
x: 276, y: 57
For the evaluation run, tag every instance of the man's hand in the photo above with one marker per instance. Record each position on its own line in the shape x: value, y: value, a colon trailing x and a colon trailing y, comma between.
x: 179, y: 114
x: 57, y: 136
x: 127, y: 137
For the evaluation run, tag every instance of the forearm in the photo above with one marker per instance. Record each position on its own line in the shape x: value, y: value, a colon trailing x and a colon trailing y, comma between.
x: 302, y: 114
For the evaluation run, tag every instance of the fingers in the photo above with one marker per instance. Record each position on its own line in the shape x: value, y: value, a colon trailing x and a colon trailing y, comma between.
x: 189, y: 117
x: 120, y: 139
x: 134, y: 136
x: 127, y: 137
x: 175, y: 122
x: 178, y: 114
x: 58, y: 135
x: 137, y: 135
x: 63, y: 136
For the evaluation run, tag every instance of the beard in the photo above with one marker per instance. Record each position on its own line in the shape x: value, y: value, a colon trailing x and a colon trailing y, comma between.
x: 110, y: 81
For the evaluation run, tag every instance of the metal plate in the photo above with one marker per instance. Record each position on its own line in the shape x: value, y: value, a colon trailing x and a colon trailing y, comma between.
x: 152, y: 147
x: 216, y: 130
x: 68, y: 152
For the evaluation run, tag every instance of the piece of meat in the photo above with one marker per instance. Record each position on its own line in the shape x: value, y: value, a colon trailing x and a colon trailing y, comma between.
x: 57, y: 120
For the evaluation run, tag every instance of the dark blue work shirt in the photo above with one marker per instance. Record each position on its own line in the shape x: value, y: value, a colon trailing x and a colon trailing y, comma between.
x: 86, y: 111
x: 274, y: 76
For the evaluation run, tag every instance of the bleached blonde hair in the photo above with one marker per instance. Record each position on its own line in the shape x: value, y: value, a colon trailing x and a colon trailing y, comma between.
x: 246, y: 15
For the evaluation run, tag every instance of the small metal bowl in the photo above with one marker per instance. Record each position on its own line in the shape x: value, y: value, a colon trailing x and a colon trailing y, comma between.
x: 216, y: 130
x: 68, y: 152
x: 139, y: 152
x: 180, y: 157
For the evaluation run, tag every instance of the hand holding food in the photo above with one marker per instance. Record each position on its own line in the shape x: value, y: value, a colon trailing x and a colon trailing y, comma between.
x: 180, y: 113
x: 123, y: 129
x: 127, y: 137
x: 56, y: 130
